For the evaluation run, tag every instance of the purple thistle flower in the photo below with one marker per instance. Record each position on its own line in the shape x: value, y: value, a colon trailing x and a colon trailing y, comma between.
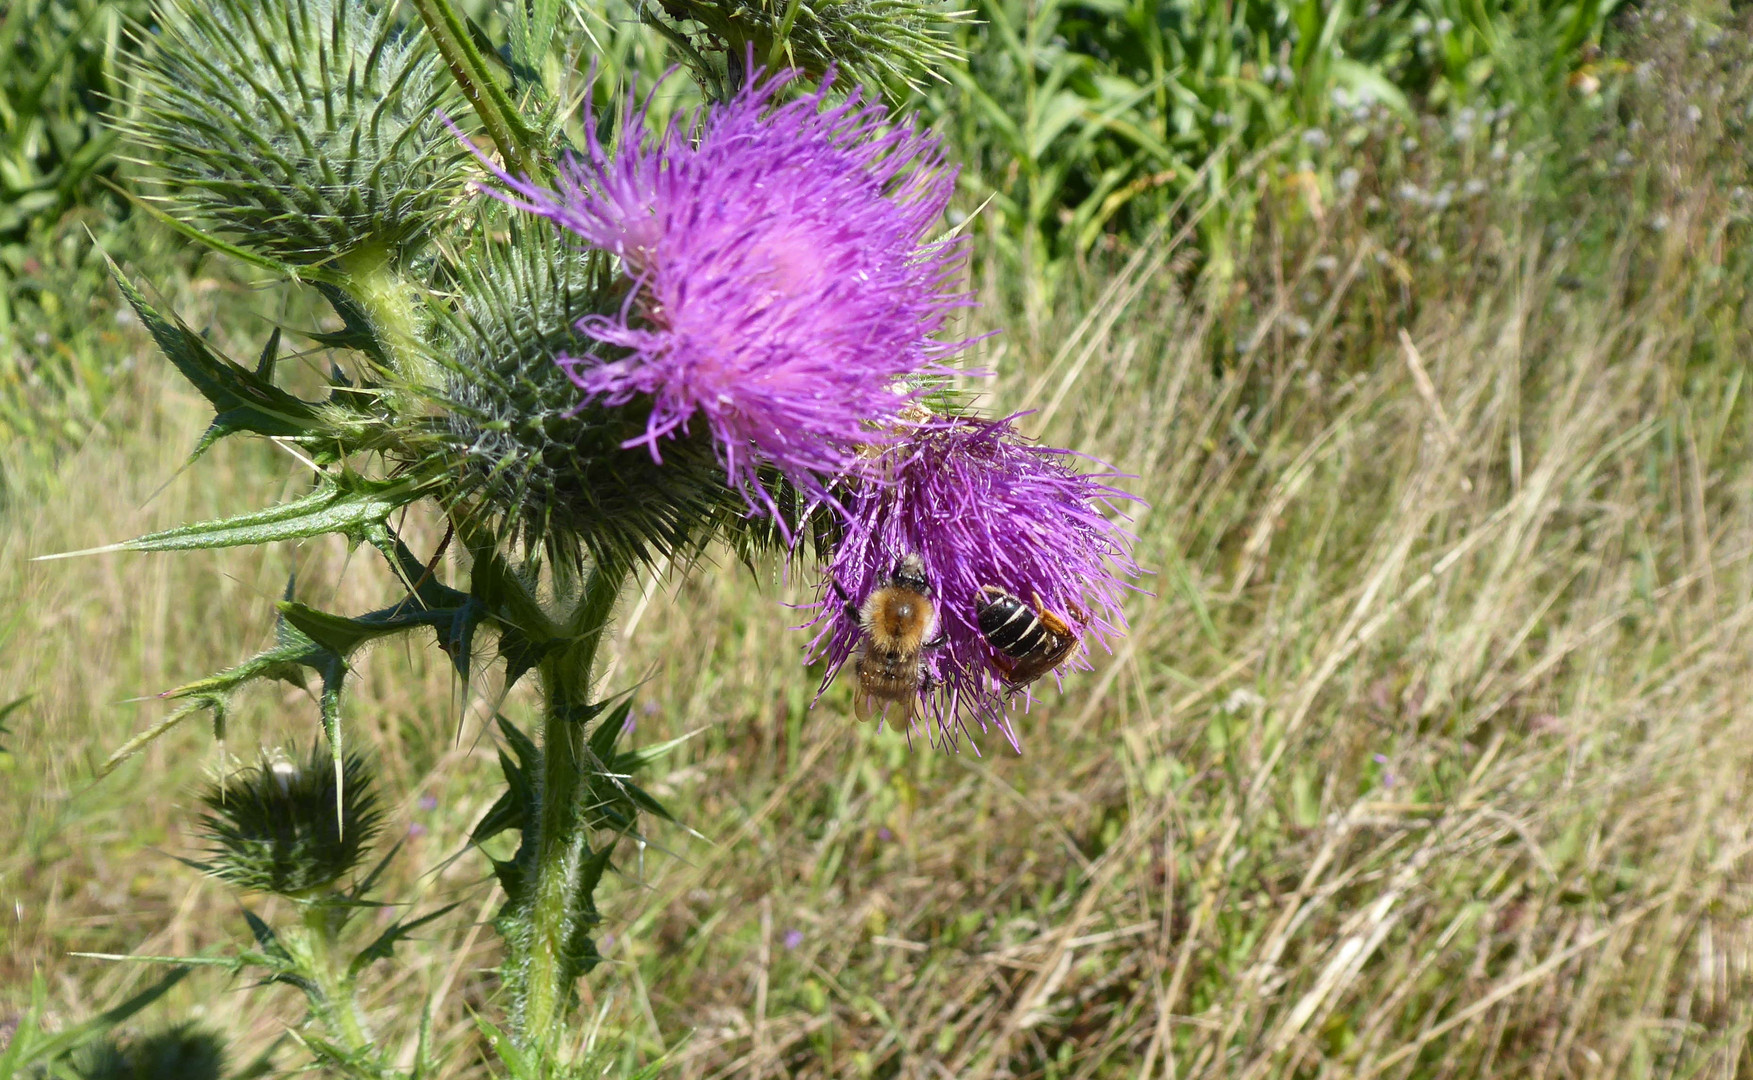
x: 981, y: 506
x: 781, y: 280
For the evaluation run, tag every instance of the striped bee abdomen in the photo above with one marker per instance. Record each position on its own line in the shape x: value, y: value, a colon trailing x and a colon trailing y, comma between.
x: 1031, y: 640
x: 1009, y: 625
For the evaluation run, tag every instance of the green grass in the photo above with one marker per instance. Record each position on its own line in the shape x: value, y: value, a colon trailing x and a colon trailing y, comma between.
x: 1426, y: 757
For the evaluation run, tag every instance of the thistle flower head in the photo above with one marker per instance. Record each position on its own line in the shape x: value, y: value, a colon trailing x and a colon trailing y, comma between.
x: 275, y: 828
x: 982, y: 508
x: 778, y: 277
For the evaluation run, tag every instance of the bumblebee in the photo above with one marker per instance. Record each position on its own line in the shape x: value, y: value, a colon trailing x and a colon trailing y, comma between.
x: 1029, y: 641
x: 896, y: 621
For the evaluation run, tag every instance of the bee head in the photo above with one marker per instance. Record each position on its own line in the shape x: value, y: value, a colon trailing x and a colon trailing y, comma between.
x: 910, y: 574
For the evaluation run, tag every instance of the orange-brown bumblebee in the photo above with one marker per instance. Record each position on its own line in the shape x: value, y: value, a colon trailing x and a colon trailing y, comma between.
x: 897, y: 619
x: 1029, y: 641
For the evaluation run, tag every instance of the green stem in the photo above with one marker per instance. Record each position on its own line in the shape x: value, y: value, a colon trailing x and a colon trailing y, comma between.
x: 338, y: 1009
x: 369, y: 276
x: 558, y: 900
x: 505, y: 125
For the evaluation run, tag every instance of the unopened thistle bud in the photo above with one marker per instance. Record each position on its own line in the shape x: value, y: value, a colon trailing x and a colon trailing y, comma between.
x: 304, y: 129
x: 876, y: 41
x: 184, y: 1052
x: 275, y: 827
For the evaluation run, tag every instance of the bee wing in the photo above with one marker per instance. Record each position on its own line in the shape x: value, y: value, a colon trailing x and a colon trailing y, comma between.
x: 861, y: 706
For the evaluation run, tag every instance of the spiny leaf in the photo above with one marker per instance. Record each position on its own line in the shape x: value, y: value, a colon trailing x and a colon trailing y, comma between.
x: 609, y: 730
x: 293, y: 653
x: 355, y: 332
x: 71, y: 1039
x: 266, y: 937
x: 7, y: 710
x: 357, y: 1064
x: 243, y: 400
x: 511, y: 810
x: 507, y: 1051
x: 385, y: 945
x: 342, y: 504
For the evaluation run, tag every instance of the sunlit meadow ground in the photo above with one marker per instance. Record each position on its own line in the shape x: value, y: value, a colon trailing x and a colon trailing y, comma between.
x: 1429, y: 754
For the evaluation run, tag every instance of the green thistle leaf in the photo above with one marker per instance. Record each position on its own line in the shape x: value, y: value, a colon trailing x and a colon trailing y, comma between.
x: 244, y: 400
x: 385, y: 944
x: 347, y: 504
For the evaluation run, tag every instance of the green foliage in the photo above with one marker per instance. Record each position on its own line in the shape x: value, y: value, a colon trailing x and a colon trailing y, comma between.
x: 608, y: 805
x: 34, y: 1053
x: 245, y: 400
x: 1083, y: 119
x: 58, y: 78
x: 344, y: 503
x: 306, y: 129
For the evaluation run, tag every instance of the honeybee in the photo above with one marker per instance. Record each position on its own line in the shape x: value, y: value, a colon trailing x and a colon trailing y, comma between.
x: 1029, y: 641
x: 896, y: 619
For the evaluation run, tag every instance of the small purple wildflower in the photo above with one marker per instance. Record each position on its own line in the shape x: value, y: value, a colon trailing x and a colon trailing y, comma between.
x: 781, y: 279
x: 428, y: 803
x: 980, y: 505
x: 793, y: 938
x: 884, y: 834
x: 416, y: 830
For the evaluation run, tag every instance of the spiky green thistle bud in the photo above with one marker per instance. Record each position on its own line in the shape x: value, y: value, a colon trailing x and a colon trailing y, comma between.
x: 183, y: 1052
x: 305, y: 129
x: 881, y: 42
x: 275, y: 828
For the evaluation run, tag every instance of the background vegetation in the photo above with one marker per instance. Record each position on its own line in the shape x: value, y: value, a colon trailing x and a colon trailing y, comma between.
x: 1423, y: 329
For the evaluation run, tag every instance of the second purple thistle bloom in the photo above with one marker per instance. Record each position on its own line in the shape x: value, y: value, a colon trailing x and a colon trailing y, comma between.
x: 781, y: 275
x: 981, y: 508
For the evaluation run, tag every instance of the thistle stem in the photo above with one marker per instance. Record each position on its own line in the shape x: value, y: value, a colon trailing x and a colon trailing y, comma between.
x: 558, y: 899
x: 369, y: 276
x: 505, y: 125
x: 337, y: 1007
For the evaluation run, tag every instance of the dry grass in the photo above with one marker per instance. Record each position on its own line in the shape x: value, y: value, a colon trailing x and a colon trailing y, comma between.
x: 1428, y: 757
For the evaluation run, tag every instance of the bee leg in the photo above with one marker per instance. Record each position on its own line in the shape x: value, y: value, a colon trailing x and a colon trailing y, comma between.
x: 1058, y: 655
x: 937, y: 642
x: 1052, y: 622
x: 851, y: 608
x: 1006, y: 669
